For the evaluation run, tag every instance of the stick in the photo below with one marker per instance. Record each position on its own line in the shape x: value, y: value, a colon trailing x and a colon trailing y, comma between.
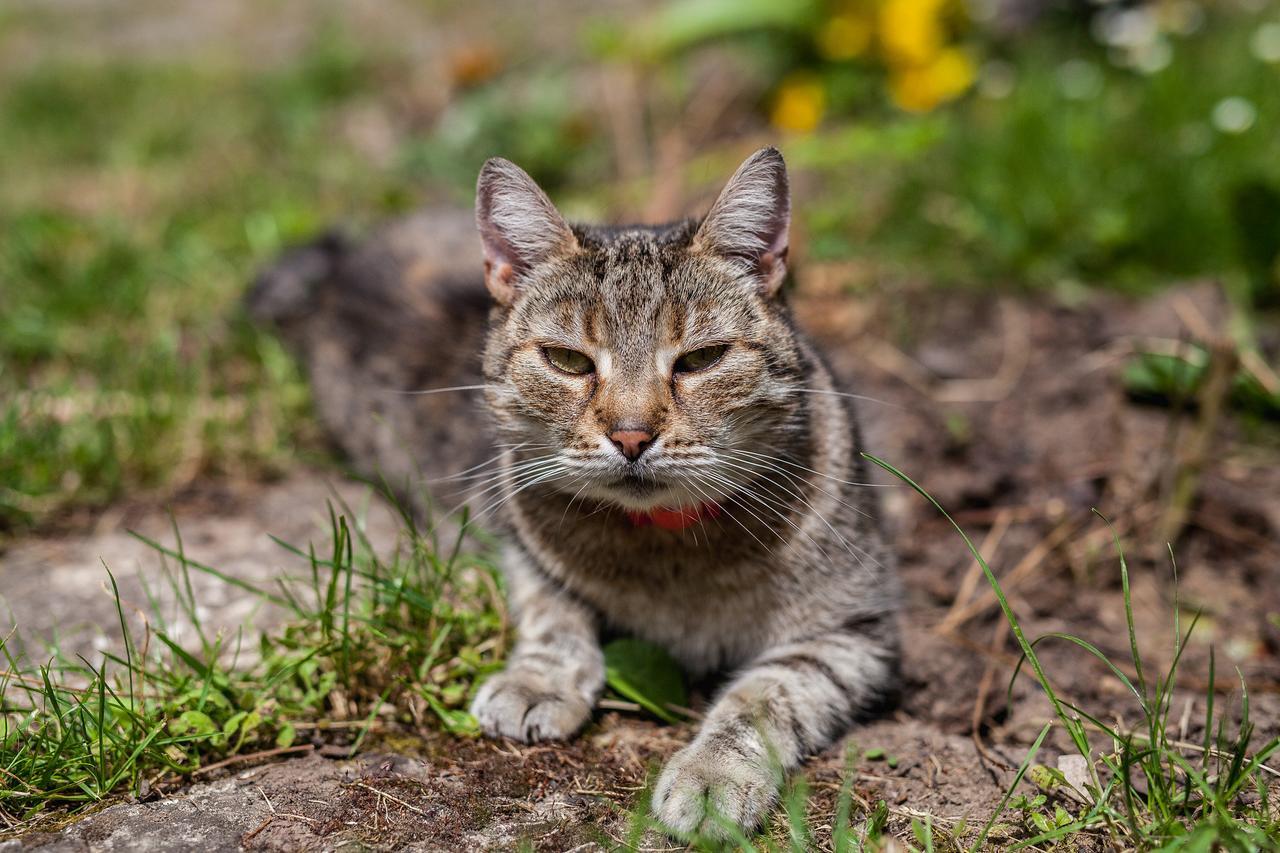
x: 252, y: 756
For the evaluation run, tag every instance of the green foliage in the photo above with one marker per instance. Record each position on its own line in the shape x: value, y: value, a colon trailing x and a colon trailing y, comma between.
x: 1255, y: 207
x: 1175, y: 379
x: 136, y: 202
x: 647, y: 675
x: 398, y: 640
x: 1069, y: 168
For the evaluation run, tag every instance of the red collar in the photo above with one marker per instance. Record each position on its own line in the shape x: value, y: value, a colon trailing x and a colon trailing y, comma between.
x: 674, y: 518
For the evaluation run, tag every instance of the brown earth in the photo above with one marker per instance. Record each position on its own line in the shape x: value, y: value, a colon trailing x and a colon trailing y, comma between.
x: 1010, y: 411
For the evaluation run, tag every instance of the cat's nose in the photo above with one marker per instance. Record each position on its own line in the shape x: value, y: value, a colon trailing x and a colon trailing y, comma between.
x: 631, y: 442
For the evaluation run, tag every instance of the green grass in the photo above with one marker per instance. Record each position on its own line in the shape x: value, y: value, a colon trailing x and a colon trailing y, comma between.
x: 366, y: 642
x: 139, y: 198
x: 1145, y: 789
x: 136, y: 203
x: 1129, y: 184
x: 400, y: 642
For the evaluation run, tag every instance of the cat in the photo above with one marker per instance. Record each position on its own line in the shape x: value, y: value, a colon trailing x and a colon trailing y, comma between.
x: 677, y: 462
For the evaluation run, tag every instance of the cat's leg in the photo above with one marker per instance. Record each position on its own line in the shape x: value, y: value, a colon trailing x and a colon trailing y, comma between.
x: 556, y: 672
x: 791, y: 701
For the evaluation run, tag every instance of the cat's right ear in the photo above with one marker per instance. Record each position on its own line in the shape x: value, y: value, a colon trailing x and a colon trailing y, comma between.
x: 751, y: 219
x: 519, y: 226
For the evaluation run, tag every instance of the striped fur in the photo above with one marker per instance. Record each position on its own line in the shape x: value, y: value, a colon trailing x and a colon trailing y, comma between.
x: 789, y: 588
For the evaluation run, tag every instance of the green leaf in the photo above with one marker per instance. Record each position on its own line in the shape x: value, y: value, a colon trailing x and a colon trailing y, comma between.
x: 1167, y: 379
x: 193, y: 723
x: 233, y: 723
x: 681, y: 24
x: 286, y: 736
x: 456, y: 722
x: 646, y: 675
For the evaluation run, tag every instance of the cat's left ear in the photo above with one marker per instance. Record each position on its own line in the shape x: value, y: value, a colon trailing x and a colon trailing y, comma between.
x: 519, y: 227
x: 750, y: 220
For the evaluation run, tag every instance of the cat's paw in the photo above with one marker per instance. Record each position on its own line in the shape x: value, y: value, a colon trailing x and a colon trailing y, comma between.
x: 529, y: 705
x: 705, y: 786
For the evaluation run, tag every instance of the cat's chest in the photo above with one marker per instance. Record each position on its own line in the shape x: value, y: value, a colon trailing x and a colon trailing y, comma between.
x: 704, y: 627
x: 712, y: 603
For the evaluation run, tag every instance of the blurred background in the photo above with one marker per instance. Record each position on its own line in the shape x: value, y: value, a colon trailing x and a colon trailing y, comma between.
x: 154, y: 154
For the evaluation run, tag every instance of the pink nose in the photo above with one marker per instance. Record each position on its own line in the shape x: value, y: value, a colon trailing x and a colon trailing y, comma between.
x: 631, y: 442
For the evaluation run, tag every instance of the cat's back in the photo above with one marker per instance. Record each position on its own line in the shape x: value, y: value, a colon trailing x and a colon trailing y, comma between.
x: 381, y: 324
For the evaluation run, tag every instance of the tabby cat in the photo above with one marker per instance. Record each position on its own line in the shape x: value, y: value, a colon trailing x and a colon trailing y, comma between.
x: 675, y: 461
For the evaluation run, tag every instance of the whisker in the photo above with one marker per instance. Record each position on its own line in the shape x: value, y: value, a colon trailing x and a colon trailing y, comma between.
x: 499, y: 472
x: 847, y: 394
x: 586, y: 481
x: 500, y: 478
x: 746, y: 529
x: 447, y: 390
x: 850, y: 547
x: 810, y: 470
x: 532, y: 480
x: 798, y: 481
x: 492, y: 459
x: 760, y: 499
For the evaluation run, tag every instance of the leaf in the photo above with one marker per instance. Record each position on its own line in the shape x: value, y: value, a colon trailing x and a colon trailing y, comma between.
x: 233, y: 723
x: 681, y: 24
x: 251, y: 721
x: 645, y: 674
x: 456, y: 722
x: 195, y: 723
x: 1166, y: 379
x: 1162, y: 378
x: 286, y: 735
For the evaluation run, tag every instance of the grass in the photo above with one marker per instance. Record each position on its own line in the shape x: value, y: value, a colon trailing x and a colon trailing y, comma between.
x: 1145, y: 789
x: 366, y: 642
x: 137, y: 201
x: 399, y: 641
x: 139, y: 198
x: 1075, y: 171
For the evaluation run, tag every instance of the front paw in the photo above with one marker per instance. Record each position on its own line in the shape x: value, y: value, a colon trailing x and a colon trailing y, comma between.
x: 530, y: 705
x: 706, y: 788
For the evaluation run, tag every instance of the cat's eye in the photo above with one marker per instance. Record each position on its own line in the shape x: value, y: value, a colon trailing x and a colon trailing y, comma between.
x: 568, y: 360
x: 700, y: 359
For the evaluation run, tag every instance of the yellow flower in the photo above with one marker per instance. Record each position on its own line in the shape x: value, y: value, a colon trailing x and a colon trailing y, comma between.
x: 844, y: 36
x: 920, y: 88
x: 799, y: 104
x: 911, y: 31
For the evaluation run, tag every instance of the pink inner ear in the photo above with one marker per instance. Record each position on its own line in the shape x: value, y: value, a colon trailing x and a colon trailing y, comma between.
x: 497, y: 276
x: 767, y: 261
x: 500, y: 271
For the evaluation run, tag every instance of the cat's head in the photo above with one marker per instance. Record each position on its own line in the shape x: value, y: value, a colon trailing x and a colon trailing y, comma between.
x: 641, y: 366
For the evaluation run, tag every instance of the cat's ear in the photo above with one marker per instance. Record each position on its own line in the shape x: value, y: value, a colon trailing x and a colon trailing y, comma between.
x: 519, y: 226
x: 750, y: 220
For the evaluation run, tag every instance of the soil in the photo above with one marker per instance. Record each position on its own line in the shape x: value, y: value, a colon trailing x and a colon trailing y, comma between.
x: 1010, y: 411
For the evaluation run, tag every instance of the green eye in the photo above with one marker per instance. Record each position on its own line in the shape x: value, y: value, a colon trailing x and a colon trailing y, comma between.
x: 700, y: 359
x: 568, y: 360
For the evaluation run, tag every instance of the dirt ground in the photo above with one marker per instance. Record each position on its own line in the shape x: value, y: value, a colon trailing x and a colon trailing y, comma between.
x: 1010, y: 411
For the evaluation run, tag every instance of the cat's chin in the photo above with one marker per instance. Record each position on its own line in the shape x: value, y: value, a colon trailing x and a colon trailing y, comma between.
x: 642, y: 497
